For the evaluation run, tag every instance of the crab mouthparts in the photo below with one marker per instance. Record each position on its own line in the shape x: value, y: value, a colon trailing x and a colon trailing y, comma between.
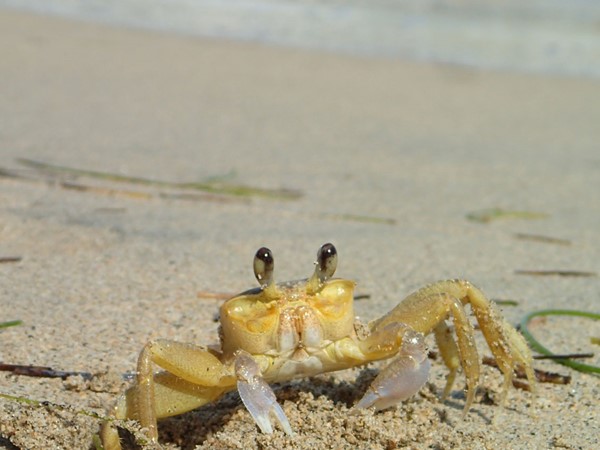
x: 299, y: 331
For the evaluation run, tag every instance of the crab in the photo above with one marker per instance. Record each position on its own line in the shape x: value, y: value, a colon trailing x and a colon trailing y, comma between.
x: 280, y: 331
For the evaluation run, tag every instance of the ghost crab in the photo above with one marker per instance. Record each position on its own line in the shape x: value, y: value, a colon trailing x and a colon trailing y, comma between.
x: 302, y: 328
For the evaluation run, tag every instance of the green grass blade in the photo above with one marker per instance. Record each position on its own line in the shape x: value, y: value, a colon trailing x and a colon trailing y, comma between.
x: 214, y: 185
x: 489, y: 215
x: 11, y: 323
x: 537, y: 346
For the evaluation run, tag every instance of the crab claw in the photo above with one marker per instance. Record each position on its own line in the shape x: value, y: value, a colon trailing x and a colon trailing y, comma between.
x: 402, y: 378
x: 257, y: 395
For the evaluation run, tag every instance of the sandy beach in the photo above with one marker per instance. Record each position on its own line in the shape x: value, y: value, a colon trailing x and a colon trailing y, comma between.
x: 390, y: 160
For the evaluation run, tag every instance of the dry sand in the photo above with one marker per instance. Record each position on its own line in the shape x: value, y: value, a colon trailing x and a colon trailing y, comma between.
x: 417, y: 147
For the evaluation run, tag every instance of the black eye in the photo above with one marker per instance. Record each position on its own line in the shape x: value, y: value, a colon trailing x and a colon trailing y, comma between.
x: 263, y: 266
x: 326, y: 261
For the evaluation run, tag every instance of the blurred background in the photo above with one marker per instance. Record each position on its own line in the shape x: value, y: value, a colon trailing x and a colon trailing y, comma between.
x: 544, y: 36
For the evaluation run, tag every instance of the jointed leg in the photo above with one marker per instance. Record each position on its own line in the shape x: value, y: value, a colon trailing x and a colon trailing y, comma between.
x: 426, y: 310
x: 508, y: 347
x: 194, y: 377
x: 449, y: 352
x: 173, y: 396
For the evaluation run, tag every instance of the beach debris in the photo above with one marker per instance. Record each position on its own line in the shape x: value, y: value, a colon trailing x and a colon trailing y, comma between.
x: 42, y: 371
x: 361, y: 218
x: 11, y: 323
x: 492, y: 214
x: 10, y: 259
x: 216, y: 189
x: 537, y: 346
x: 560, y: 273
x: 542, y: 376
x: 213, y: 185
x: 541, y: 238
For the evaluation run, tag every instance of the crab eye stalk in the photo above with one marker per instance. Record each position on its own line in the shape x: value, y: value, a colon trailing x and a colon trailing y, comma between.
x: 326, y: 262
x: 263, y: 267
x: 324, y: 268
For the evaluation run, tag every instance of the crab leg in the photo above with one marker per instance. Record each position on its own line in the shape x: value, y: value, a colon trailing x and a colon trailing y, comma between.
x: 181, y: 388
x: 425, y: 311
x: 257, y: 395
x: 508, y: 347
x: 449, y: 352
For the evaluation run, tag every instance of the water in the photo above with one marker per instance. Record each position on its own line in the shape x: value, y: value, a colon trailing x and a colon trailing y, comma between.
x: 560, y: 37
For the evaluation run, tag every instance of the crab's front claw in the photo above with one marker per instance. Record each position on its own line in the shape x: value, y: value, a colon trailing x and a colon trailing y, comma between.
x: 257, y: 395
x: 402, y: 378
x: 427, y: 309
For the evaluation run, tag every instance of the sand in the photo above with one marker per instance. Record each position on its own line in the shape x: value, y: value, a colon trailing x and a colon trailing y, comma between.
x: 390, y: 158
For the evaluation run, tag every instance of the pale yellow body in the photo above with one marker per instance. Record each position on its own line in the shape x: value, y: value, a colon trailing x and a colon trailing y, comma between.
x: 281, y: 331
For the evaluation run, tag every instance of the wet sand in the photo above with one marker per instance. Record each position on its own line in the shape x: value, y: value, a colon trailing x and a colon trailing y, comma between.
x: 389, y: 157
